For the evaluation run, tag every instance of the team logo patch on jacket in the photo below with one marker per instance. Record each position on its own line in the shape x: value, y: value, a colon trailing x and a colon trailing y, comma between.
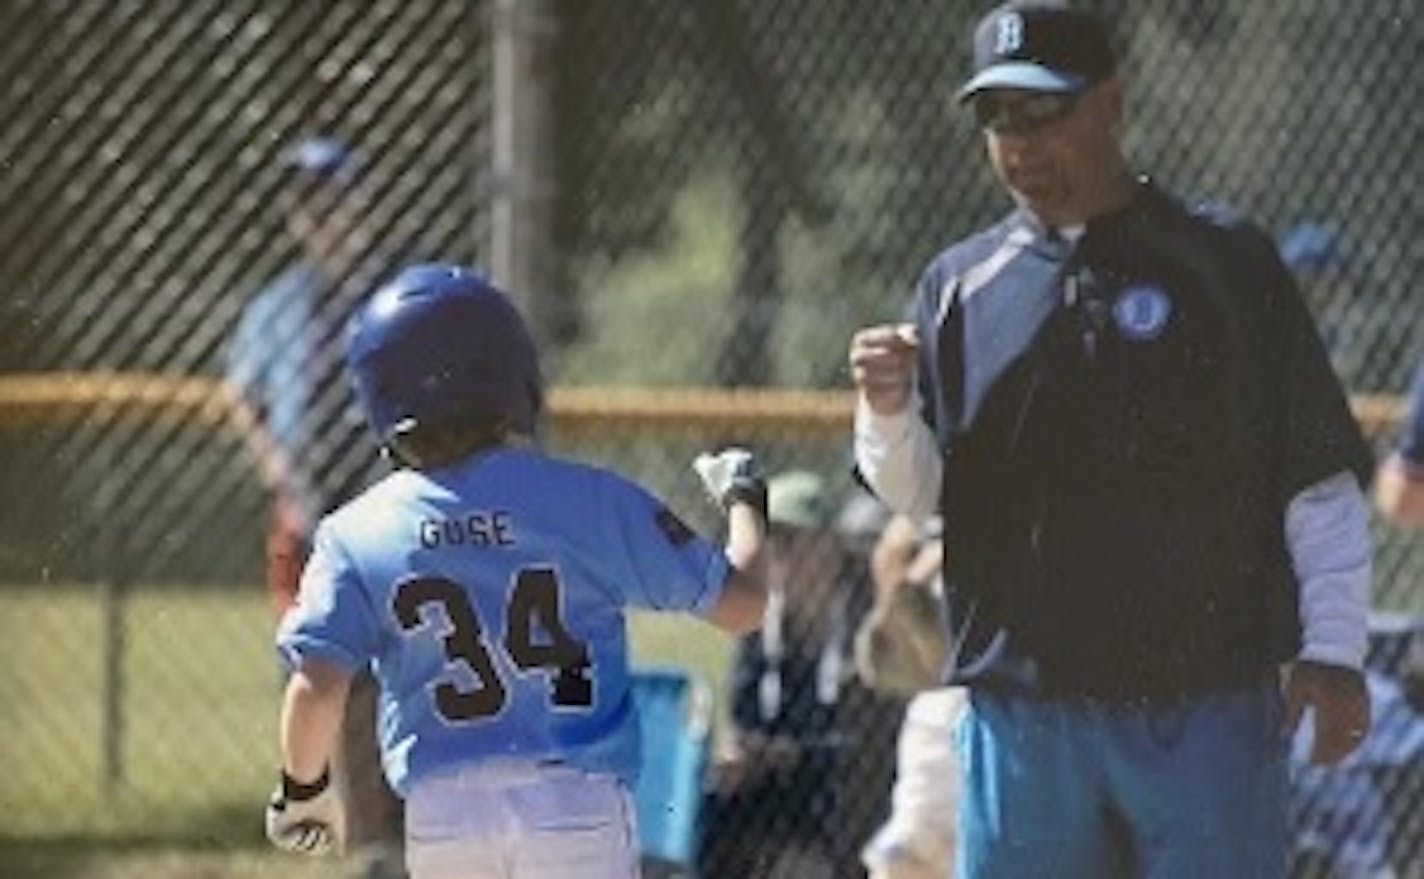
x: 672, y: 527
x: 1141, y: 312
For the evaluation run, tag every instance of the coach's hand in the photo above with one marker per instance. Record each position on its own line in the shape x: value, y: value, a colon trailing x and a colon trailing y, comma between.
x: 1341, y: 706
x: 733, y: 474
x: 882, y: 365
x: 305, y: 817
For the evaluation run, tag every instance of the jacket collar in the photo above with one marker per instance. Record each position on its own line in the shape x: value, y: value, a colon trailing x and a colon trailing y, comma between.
x: 1025, y: 229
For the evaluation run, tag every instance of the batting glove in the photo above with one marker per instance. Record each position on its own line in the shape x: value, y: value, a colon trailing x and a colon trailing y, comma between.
x: 305, y: 817
x: 733, y: 474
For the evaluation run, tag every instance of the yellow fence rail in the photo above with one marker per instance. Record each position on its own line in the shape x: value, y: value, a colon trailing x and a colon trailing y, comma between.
x: 50, y: 398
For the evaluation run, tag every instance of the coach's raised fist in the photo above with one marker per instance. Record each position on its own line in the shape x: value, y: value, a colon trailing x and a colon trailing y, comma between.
x: 882, y: 365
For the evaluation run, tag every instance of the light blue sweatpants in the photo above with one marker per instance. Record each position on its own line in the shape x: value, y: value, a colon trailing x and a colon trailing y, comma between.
x: 1081, y: 790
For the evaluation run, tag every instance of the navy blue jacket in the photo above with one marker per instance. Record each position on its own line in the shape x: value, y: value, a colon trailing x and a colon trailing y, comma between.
x: 1124, y: 420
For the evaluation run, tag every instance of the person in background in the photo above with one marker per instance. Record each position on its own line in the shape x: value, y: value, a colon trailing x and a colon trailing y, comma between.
x: 774, y: 807
x: 1314, y: 254
x: 487, y: 583
x: 901, y: 648
x: 1399, y: 482
x: 1381, y: 829
x: 1310, y: 251
x: 1358, y: 819
x: 284, y: 367
x: 1151, y: 489
x: 869, y: 715
x: 284, y: 359
x: 902, y: 645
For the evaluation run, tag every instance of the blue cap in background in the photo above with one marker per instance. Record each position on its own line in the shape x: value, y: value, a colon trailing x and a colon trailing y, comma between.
x: 1308, y: 247
x: 322, y: 156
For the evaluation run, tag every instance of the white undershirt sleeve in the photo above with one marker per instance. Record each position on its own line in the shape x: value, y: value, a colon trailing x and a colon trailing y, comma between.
x: 1327, y: 532
x: 899, y: 458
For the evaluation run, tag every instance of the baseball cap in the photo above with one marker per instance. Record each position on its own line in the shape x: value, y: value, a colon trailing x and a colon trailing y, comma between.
x: 1308, y: 247
x: 322, y: 157
x: 798, y: 498
x: 1039, y: 47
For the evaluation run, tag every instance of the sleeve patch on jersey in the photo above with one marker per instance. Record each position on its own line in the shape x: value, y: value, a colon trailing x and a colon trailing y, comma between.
x: 674, y: 528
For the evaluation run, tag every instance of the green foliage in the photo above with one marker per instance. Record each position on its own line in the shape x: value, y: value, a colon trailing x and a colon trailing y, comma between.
x: 639, y: 305
x: 198, y: 708
x: 641, y: 308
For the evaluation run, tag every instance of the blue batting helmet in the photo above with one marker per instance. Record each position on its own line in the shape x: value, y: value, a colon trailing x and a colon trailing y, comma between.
x: 438, y: 344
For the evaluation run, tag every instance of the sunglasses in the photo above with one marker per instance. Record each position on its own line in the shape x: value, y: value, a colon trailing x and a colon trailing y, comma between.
x: 1022, y: 115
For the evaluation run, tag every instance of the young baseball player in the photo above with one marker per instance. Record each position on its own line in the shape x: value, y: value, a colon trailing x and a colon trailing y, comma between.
x: 485, y: 582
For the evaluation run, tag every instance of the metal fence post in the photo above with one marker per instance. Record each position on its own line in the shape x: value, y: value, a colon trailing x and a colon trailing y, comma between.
x: 113, y: 588
x: 522, y: 254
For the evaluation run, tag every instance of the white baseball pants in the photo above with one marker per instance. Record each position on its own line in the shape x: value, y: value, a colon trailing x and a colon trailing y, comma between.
x: 520, y: 821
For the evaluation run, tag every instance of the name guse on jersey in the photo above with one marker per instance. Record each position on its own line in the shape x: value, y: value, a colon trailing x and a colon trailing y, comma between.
x: 480, y: 528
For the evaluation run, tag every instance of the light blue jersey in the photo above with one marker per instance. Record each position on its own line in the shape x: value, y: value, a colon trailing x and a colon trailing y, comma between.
x: 491, y: 595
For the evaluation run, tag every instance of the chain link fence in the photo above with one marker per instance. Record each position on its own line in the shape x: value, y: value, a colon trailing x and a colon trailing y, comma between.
x: 731, y: 188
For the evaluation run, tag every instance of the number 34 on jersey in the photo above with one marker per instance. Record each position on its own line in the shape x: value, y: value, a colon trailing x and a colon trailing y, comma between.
x: 533, y: 608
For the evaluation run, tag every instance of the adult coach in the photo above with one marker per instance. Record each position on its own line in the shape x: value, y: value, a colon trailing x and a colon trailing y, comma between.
x: 487, y: 582
x: 1399, y: 486
x: 1151, y: 489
